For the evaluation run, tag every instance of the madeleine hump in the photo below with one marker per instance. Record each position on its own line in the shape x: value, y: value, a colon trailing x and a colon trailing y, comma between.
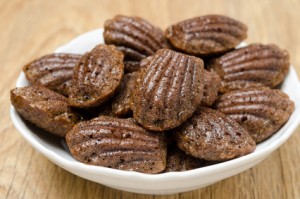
x: 96, y: 77
x: 211, y: 135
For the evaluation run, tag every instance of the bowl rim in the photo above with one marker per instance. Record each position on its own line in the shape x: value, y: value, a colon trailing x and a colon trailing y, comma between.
x: 289, y: 127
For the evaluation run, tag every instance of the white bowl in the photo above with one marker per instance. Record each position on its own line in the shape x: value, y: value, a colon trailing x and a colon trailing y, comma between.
x: 167, y: 183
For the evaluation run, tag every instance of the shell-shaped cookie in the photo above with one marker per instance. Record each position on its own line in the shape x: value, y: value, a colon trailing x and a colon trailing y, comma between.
x: 261, y: 111
x: 135, y: 37
x: 117, y: 143
x: 211, y: 135
x: 44, y: 108
x: 53, y: 71
x: 121, y: 102
x: 212, y: 84
x: 252, y: 66
x: 206, y: 35
x: 96, y: 76
x: 168, y: 90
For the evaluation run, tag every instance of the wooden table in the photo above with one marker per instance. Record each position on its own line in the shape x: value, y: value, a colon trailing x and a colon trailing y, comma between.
x: 29, y: 29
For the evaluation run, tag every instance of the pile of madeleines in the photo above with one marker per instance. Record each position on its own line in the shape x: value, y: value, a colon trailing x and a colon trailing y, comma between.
x: 146, y: 101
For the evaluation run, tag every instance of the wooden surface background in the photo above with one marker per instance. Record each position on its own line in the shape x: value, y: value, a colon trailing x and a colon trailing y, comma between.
x: 29, y: 29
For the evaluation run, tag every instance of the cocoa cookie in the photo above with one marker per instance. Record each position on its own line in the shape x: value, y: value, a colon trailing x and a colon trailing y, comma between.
x: 261, y: 111
x: 168, y: 90
x: 212, y: 84
x: 53, y: 71
x: 206, y: 35
x: 178, y: 160
x: 44, y: 108
x: 122, y: 101
x: 252, y: 66
x: 211, y: 135
x: 135, y: 37
x: 96, y: 76
x: 117, y: 143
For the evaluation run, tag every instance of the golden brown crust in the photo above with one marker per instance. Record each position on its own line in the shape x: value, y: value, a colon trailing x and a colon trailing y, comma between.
x: 117, y: 143
x: 206, y: 35
x: 210, y: 135
x: 44, y: 108
x: 96, y: 77
x: 261, y: 111
x: 255, y: 65
x: 168, y: 90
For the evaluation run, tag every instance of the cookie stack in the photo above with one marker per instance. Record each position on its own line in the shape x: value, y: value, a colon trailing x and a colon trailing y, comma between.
x: 152, y: 101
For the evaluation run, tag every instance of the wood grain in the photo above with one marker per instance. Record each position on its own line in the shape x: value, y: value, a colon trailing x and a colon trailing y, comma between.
x: 33, y: 28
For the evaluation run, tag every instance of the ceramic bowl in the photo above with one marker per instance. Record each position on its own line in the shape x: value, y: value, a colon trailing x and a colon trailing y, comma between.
x: 166, y: 183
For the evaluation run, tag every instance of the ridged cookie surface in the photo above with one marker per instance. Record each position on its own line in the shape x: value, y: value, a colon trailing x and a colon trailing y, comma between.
x: 251, y: 66
x: 168, y: 90
x: 261, y: 111
x: 206, y: 35
x: 135, y: 37
x: 211, y: 135
x: 53, y: 71
x: 117, y: 143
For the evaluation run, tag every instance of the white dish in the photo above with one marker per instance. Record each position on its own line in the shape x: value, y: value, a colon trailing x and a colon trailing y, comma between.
x: 166, y: 183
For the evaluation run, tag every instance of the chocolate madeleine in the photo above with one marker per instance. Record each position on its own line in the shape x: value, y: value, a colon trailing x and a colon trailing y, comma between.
x: 53, y: 71
x: 212, y: 83
x: 168, y: 90
x: 117, y: 143
x: 211, y: 135
x: 206, y: 35
x: 261, y: 111
x: 96, y: 77
x: 44, y: 108
x: 122, y: 101
x: 255, y: 65
x: 135, y: 37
